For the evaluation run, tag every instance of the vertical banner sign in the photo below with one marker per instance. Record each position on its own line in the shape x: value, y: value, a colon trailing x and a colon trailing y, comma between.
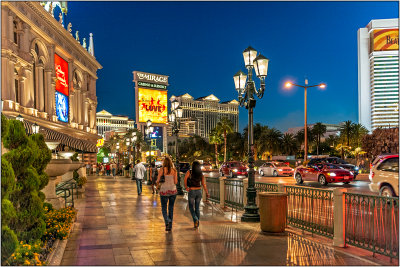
x: 62, y: 88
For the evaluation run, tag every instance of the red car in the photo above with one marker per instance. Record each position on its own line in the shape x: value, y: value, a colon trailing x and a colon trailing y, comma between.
x: 233, y: 169
x: 323, y: 173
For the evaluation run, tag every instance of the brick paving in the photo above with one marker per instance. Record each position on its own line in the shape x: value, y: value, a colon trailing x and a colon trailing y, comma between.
x: 115, y: 226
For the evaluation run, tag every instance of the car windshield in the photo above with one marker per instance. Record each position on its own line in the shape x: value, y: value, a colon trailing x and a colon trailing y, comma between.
x: 329, y: 166
x: 337, y: 161
x: 280, y: 164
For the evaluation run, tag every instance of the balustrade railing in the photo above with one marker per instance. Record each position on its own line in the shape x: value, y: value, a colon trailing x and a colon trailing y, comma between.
x: 310, y: 209
x: 213, y: 189
x: 234, y: 193
x: 372, y: 223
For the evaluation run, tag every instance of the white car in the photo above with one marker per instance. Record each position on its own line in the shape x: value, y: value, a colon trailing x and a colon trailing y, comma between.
x: 384, y: 176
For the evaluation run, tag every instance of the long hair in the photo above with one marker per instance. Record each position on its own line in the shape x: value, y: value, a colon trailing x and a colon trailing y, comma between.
x: 196, y: 170
x: 167, y: 163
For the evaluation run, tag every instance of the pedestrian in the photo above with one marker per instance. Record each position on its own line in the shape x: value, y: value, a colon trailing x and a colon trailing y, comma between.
x: 140, y: 169
x: 194, y: 179
x: 108, y: 169
x: 113, y: 169
x: 94, y: 168
x: 153, y: 177
x: 361, y: 167
x: 87, y: 169
x: 168, y: 179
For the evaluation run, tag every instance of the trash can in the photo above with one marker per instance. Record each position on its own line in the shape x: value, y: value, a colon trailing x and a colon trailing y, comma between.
x: 273, y: 207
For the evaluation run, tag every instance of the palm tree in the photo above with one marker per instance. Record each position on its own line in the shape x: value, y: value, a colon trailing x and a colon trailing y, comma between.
x: 288, y: 144
x: 224, y: 126
x: 216, y: 140
x: 346, y: 130
x: 319, y: 130
x: 270, y: 140
x: 358, y: 132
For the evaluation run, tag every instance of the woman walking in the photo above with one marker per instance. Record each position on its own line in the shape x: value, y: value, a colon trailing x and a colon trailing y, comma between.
x: 194, y: 179
x: 167, y: 191
x: 153, y: 176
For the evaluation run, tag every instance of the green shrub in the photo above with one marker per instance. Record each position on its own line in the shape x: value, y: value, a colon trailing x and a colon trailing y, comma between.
x: 82, y: 181
x: 7, y: 212
x: 26, y: 254
x: 47, y: 206
x: 9, y: 243
x: 4, y: 125
x: 7, y: 178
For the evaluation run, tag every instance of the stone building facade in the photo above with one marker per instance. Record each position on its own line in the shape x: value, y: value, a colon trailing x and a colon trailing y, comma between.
x: 201, y: 115
x: 32, y: 40
x: 107, y: 122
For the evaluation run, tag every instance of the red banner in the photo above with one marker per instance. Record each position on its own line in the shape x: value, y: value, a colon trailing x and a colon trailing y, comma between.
x: 61, y: 67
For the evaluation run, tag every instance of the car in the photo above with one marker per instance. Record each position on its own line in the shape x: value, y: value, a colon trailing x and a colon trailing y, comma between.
x: 322, y: 173
x: 337, y: 161
x: 233, y: 169
x: 184, y: 166
x: 384, y: 176
x: 275, y: 169
x: 206, y: 167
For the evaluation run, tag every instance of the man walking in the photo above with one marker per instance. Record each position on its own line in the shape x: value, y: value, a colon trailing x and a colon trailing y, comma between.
x: 139, y: 175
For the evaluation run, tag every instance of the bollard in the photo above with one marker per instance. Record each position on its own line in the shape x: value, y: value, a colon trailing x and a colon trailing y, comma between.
x: 222, y: 191
x: 339, y: 226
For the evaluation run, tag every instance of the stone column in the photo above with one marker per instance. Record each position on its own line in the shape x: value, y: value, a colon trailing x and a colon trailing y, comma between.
x: 339, y: 223
x: 47, y: 91
x: 78, y: 106
x: 27, y: 90
x: 40, y: 88
x: 11, y: 77
x: 11, y: 26
x: 86, y: 112
x: 5, y: 81
x: 71, y: 107
x: 23, y: 92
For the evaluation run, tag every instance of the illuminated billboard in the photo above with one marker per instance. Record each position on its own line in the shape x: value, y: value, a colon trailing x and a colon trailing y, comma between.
x: 386, y: 39
x: 152, y: 105
x: 61, y: 67
x: 62, y: 107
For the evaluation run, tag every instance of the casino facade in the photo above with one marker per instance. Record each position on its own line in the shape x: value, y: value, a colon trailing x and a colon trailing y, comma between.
x: 378, y: 74
x: 49, y: 74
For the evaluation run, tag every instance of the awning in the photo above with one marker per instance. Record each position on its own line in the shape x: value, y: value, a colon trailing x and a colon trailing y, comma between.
x: 64, y: 139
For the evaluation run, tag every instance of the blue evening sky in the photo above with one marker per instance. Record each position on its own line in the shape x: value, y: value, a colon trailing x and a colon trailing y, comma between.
x: 200, y: 44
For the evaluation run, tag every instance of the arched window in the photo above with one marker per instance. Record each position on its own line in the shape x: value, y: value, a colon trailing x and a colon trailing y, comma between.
x: 16, y: 82
x: 15, y: 29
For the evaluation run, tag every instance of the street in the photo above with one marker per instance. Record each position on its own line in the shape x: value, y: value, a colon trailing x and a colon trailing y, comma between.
x: 360, y: 185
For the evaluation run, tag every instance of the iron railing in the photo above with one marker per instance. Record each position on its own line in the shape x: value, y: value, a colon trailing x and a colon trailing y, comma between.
x: 213, y: 189
x: 310, y: 209
x: 372, y: 223
x: 264, y: 187
x: 234, y: 193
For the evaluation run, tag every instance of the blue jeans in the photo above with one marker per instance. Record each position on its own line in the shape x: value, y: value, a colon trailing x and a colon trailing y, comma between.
x: 168, y: 201
x: 194, y: 198
x: 139, y: 185
x: 113, y: 171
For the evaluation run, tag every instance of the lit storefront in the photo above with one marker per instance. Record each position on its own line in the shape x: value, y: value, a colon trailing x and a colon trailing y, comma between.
x: 48, y: 75
x: 378, y: 74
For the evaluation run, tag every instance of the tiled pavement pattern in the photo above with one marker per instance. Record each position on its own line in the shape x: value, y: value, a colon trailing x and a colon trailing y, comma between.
x: 115, y: 226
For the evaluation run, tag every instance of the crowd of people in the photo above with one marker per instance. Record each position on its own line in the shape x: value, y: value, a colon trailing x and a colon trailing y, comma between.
x: 163, y: 181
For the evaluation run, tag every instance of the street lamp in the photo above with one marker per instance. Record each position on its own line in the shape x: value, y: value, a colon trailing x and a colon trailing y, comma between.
x: 20, y: 118
x: 35, y: 128
x: 174, y: 117
x: 134, y: 138
x: 117, y: 153
x: 320, y: 85
x: 246, y: 91
x: 148, y: 131
x: 127, y: 142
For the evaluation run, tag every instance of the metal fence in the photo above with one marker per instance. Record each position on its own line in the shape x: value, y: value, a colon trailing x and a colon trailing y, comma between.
x: 372, y: 223
x: 310, y: 209
x: 264, y: 187
x: 213, y: 188
x: 234, y: 193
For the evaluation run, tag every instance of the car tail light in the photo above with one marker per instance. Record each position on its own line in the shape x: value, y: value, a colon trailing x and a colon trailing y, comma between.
x: 372, y: 175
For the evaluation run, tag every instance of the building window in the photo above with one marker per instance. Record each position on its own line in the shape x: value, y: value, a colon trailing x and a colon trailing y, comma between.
x: 15, y: 30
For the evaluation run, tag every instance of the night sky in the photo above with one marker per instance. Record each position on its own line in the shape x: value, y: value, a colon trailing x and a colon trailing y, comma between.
x: 200, y: 44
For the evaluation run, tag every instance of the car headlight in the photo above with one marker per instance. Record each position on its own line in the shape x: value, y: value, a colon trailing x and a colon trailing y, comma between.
x: 332, y: 174
x: 351, y: 173
x: 279, y: 170
x: 247, y: 169
x: 356, y: 168
x: 235, y: 170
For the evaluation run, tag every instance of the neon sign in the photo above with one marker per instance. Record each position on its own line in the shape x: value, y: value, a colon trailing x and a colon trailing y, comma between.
x: 61, y: 68
x: 152, y: 105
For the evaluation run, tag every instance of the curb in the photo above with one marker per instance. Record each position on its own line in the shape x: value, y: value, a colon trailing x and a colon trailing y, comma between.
x: 55, y: 257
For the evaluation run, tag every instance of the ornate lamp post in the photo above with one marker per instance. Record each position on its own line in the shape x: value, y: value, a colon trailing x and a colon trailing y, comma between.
x: 134, y: 138
x: 117, y: 153
x: 128, y: 142
x: 35, y: 128
x: 174, y: 117
x: 246, y: 91
x: 149, y: 130
x: 320, y: 85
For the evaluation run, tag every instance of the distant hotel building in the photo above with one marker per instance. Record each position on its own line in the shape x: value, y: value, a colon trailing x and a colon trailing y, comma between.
x: 378, y: 74
x: 107, y: 122
x: 201, y: 115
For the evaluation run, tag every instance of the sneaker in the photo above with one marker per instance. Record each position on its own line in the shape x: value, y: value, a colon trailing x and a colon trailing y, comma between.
x: 169, y: 227
x: 196, y: 224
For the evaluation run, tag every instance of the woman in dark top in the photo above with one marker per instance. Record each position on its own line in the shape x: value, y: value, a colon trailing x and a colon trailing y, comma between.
x: 194, y: 178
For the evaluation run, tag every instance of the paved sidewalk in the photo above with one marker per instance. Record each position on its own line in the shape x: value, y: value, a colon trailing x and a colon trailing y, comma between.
x: 115, y: 226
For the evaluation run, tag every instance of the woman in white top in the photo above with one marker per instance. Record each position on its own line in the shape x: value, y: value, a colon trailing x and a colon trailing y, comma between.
x: 168, y: 191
